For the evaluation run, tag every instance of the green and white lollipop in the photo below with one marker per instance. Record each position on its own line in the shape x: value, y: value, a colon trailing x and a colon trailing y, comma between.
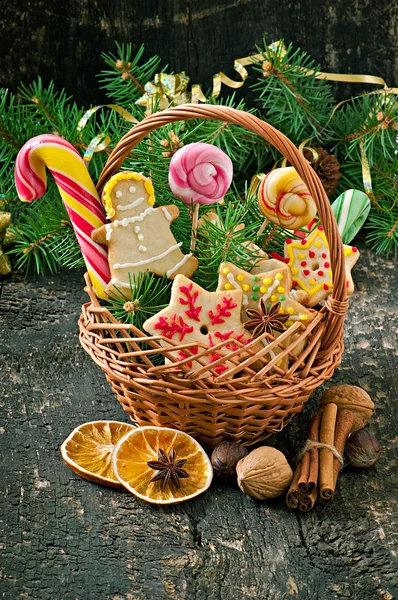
x: 351, y: 210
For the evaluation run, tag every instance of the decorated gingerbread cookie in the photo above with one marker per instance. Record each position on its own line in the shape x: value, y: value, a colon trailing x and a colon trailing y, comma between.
x: 202, y: 318
x: 138, y: 236
x: 309, y: 260
x: 267, y: 289
x: 270, y: 286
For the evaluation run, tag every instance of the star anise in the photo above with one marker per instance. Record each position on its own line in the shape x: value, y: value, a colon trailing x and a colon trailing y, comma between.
x: 266, y: 319
x: 168, y: 469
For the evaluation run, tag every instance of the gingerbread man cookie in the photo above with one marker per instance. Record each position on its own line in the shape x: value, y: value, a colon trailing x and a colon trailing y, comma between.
x: 203, y: 318
x: 138, y: 236
x: 309, y: 260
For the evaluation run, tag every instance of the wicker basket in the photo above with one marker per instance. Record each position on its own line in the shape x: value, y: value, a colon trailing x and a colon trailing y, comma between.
x: 242, y: 404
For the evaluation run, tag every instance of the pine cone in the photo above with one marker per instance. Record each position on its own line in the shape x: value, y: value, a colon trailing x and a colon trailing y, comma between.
x: 326, y: 167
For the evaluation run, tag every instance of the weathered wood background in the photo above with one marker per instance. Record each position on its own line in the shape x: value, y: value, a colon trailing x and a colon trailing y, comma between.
x: 63, y: 40
x: 63, y: 538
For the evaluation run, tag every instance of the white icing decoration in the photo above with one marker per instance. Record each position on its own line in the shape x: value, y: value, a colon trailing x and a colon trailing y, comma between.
x: 109, y: 230
x: 294, y: 295
x: 167, y: 214
x: 141, y: 237
x: 119, y: 194
x: 131, y: 189
x: 127, y: 220
x: 232, y: 281
x: 147, y: 260
x: 137, y: 228
x: 142, y: 248
x: 131, y: 205
x: 119, y: 283
x: 271, y: 289
x: 178, y: 265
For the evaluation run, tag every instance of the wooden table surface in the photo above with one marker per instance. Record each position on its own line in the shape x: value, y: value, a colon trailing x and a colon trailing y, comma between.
x: 65, y: 538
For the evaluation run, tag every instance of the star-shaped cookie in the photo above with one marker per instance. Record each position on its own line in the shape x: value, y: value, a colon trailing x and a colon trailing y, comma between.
x: 195, y: 315
x: 270, y: 286
x: 309, y: 261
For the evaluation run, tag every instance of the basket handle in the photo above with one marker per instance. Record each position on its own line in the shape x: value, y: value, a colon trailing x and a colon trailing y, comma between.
x: 337, y: 304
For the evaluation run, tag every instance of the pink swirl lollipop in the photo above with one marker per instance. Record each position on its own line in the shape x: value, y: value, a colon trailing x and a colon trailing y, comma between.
x: 200, y: 174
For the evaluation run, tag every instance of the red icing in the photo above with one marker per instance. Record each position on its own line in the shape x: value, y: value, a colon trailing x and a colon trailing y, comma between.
x: 347, y: 283
x: 303, y: 241
x: 325, y: 286
x: 294, y: 283
x: 176, y: 326
x: 311, y: 254
x: 288, y: 240
x: 320, y: 227
x: 303, y: 263
x: 183, y: 354
x: 324, y: 255
x: 326, y: 265
x: 306, y: 272
x: 354, y: 249
x: 278, y: 257
x: 224, y: 336
x: 193, y: 311
x: 320, y: 273
x: 222, y: 311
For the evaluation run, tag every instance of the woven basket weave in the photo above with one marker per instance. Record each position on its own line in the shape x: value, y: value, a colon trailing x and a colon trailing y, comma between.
x: 242, y: 404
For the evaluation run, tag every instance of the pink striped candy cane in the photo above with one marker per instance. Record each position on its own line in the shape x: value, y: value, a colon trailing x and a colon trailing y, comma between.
x: 77, y: 191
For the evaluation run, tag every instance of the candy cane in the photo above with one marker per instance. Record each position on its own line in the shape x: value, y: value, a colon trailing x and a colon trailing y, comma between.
x: 77, y: 191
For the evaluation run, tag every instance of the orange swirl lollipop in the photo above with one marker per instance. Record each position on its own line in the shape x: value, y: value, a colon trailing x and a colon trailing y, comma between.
x: 284, y: 199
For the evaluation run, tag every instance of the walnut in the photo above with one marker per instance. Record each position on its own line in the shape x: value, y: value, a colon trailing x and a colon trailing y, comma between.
x: 353, y: 398
x: 264, y: 473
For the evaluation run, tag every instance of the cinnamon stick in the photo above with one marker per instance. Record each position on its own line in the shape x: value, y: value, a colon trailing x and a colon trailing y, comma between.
x: 292, y: 496
x: 326, y: 458
x: 344, y: 423
x: 307, y: 502
x: 309, y: 466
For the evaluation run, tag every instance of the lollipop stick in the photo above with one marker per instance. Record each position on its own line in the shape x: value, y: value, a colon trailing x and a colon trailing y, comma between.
x: 263, y: 226
x: 195, y: 219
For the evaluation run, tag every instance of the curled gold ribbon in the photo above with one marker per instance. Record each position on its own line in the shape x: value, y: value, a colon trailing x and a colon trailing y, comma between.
x: 102, y: 140
x: 164, y: 90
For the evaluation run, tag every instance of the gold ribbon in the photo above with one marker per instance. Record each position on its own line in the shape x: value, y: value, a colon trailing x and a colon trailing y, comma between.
x: 102, y: 140
x: 5, y: 265
x: 166, y: 90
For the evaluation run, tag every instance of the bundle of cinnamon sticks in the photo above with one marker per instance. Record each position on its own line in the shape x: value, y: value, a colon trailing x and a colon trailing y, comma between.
x: 320, y: 461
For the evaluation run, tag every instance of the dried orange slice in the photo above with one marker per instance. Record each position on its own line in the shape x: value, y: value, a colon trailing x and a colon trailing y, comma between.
x: 88, y: 450
x: 162, y: 465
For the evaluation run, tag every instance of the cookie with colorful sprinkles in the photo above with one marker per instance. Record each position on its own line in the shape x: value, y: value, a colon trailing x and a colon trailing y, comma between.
x: 309, y: 261
x: 270, y: 286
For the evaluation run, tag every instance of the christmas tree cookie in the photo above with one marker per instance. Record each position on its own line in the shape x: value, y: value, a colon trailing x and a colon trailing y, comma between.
x: 138, y: 236
x: 309, y: 260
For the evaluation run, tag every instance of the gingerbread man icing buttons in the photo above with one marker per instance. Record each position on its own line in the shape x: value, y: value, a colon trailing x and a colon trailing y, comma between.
x: 138, y: 236
x: 309, y: 260
x: 203, y: 318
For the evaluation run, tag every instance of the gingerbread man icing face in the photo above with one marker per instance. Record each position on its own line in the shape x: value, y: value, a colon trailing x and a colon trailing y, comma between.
x: 202, y: 318
x: 309, y: 260
x: 138, y: 237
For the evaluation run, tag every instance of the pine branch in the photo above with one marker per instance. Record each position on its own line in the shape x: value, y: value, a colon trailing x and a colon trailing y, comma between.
x: 292, y: 98
x: 125, y: 81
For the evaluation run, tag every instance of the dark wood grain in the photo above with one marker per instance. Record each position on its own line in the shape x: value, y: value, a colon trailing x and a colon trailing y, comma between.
x: 63, y: 41
x: 64, y: 538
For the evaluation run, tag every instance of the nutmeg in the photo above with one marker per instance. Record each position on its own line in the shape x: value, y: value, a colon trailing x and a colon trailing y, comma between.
x: 264, y: 473
x: 362, y: 449
x: 225, y: 457
x: 351, y: 397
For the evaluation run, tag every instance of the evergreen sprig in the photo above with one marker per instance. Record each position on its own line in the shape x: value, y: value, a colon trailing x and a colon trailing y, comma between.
x: 291, y: 97
x: 148, y: 294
